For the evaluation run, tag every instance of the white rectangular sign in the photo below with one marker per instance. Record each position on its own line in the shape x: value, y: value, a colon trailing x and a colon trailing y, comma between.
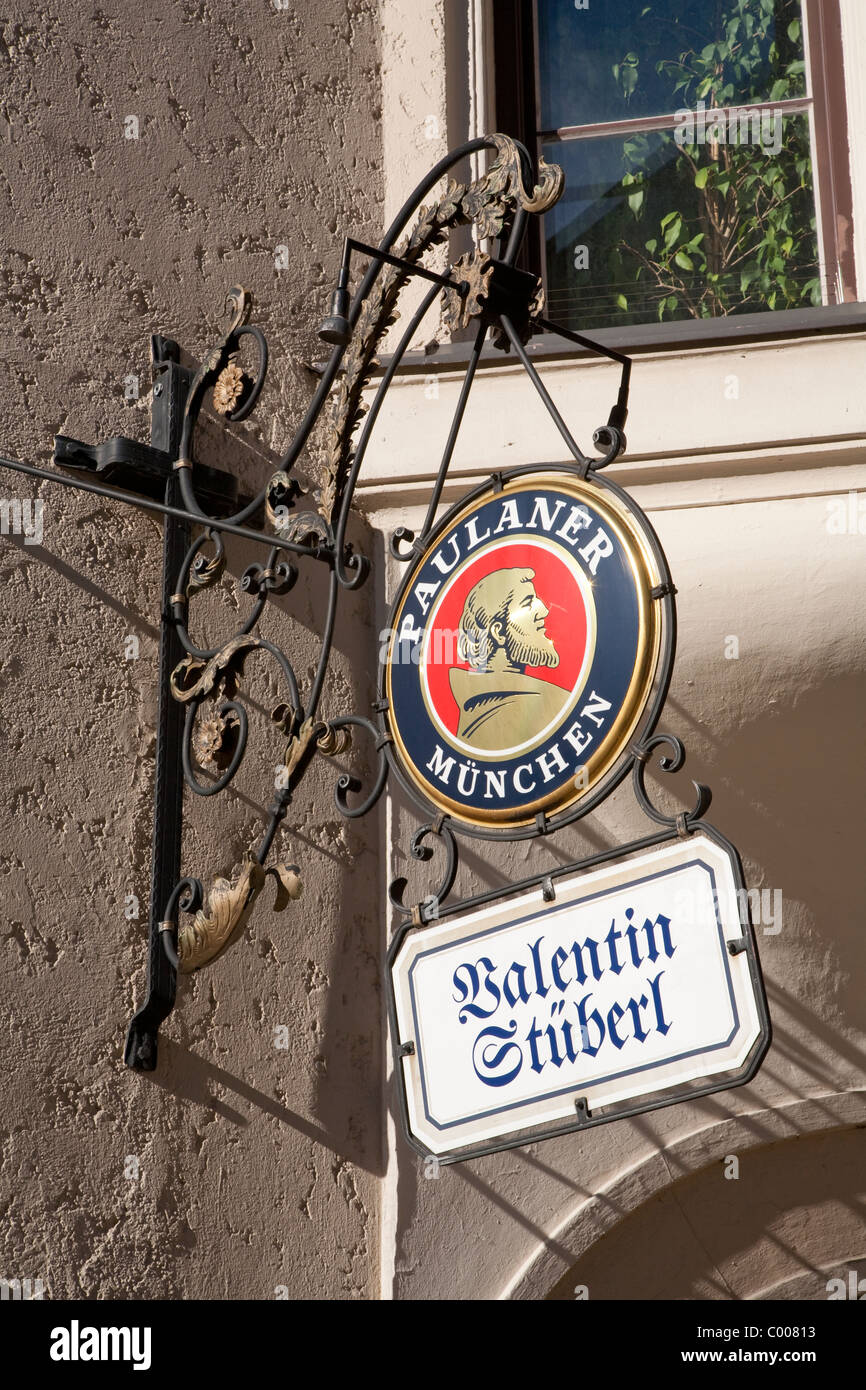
x: 622, y: 986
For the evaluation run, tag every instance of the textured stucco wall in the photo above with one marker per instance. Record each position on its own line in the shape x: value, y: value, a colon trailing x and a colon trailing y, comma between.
x: 258, y: 126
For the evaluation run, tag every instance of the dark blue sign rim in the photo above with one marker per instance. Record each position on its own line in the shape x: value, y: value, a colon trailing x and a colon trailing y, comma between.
x: 547, y: 817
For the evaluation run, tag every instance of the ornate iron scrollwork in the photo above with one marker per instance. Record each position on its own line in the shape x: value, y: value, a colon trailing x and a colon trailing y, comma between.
x: 219, y: 739
x: 483, y: 290
x: 428, y: 907
x: 672, y: 762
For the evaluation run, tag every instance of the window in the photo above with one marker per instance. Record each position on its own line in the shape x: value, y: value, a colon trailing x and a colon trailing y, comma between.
x: 705, y: 151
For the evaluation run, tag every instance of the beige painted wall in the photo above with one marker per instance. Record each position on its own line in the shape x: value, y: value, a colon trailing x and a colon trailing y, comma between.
x: 740, y: 456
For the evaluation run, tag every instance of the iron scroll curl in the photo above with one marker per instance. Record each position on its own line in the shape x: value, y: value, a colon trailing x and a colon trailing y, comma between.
x: 427, y: 909
x: 669, y: 762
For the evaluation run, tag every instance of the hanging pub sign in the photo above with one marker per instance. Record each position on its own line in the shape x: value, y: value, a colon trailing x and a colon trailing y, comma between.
x: 529, y: 653
x: 528, y: 656
x: 525, y: 645
x: 522, y: 1018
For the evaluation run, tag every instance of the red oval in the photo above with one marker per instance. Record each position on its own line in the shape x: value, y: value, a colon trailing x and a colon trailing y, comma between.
x: 566, y: 623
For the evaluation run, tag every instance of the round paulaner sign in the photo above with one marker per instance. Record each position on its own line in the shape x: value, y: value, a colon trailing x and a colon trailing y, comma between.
x: 523, y: 649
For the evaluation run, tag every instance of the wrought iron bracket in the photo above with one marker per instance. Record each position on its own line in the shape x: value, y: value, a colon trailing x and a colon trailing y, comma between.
x: 202, y: 505
x: 167, y: 408
x: 145, y: 468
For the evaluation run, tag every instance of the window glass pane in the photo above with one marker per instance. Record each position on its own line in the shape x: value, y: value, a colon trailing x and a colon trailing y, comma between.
x: 621, y: 59
x: 648, y: 229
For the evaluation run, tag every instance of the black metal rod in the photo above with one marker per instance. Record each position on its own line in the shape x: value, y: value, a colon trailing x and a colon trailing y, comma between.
x: 140, y: 1053
x: 371, y: 417
x: 342, y: 520
x: 149, y: 505
x: 555, y: 416
x: 620, y: 411
x: 327, y: 639
x: 455, y: 428
x: 277, y: 814
x: 401, y: 263
x: 582, y: 341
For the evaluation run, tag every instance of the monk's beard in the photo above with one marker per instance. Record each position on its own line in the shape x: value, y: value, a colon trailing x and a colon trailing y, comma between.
x: 525, y: 647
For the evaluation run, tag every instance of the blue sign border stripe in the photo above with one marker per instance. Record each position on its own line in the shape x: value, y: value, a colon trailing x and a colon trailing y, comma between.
x: 599, y: 1081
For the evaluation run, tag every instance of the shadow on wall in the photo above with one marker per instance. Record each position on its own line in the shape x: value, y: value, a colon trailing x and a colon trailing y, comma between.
x: 791, y: 1221
x: 788, y: 790
x: 193, y: 1079
x: 787, y: 797
x: 316, y: 966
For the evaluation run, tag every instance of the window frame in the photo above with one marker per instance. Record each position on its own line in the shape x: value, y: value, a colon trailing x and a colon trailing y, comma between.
x: 517, y: 113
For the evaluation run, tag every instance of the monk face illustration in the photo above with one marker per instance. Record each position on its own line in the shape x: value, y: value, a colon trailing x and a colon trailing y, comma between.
x: 502, y: 627
x: 502, y: 631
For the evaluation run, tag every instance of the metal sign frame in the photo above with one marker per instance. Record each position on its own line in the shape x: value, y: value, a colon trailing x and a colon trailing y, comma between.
x: 584, y: 1117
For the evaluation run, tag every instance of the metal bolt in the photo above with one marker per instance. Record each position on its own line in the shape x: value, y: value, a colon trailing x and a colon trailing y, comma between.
x: 157, y: 390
